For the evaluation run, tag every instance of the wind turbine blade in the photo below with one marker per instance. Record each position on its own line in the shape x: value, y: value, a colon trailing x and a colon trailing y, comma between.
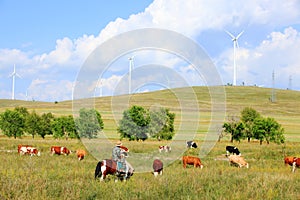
x: 232, y: 36
x: 18, y: 75
x: 239, y: 35
x: 237, y: 44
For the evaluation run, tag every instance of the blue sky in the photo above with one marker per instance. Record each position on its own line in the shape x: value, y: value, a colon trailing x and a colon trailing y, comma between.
x: 49, y: 41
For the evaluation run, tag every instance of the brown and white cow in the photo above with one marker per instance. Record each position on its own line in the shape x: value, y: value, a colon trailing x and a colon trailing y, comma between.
x: 158, y: 167
x: 60, y: 150
x: 164, y: 148
x: 80, y: 154
x: 238, y: 160
x: 288, y: 160
x: 191, y: 160
x: 28, y: 149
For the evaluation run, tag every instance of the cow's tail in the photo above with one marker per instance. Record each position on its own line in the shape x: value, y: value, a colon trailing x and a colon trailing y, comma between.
x: 98, y: 172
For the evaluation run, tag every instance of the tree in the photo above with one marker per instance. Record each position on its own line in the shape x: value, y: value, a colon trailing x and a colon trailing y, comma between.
x: 89, y: 123
x: 248, y: 115
x: 138, y: 124
x: 64, y: 126
x: 268, y: 129
x: 134, y: 124
x: 12, y: 123
x: 235, y: 128
x: 45, y: 125
x: 161, y: 124
x: 33, y: 123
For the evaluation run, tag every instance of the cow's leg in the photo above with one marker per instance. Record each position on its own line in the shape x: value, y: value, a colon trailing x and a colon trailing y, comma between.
x: 294, y: 167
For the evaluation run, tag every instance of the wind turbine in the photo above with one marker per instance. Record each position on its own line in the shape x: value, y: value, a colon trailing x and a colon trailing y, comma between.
x: 235, y: 45
x: 129, y: 76
x: 13, y: 75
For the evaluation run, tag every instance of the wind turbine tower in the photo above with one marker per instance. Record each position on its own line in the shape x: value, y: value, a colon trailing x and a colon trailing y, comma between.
x: 235, y: 45
x: 13, y: 75
x: 129, y: 75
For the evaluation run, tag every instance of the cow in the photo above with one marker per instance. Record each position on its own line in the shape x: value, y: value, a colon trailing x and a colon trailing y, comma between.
x: 60, y: 150
x: 190, y: 160
x: 80, y: 154
x: 27, y: 149
x: 158, y: 167
x: 233, y: 150
x: 22, y: 145
x: 288, y: 160
x: 296, y: 163
x: 191, y: 144
x: 238, y: 161
x: 164, y: 148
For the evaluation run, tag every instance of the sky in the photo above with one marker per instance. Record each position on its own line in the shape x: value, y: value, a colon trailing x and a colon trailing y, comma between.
x: 49, y: 43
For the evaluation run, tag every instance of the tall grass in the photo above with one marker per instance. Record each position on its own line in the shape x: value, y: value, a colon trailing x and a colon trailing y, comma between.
x: 64, y: 177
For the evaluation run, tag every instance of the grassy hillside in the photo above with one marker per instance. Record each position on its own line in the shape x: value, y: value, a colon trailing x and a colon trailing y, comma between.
x: 64, y: 177
x: 285, y: 110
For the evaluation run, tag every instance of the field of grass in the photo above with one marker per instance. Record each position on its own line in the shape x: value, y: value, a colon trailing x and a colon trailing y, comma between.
x: 64, y: 177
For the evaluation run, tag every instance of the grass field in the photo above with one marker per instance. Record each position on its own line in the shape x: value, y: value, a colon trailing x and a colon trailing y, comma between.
x: 64, y: 177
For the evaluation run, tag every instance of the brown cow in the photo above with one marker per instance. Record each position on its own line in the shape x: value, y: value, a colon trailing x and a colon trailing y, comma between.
x: 59, y: 150
x: 80, y: 154
x: 238, y: 160
x: 158, y: 167
x: 190, y: 160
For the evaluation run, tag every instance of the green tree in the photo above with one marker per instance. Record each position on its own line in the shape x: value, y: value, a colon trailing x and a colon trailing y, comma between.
x: 89, y: 123
x: 33, y: 123
x: 235, y: 128
x: 23, y: 111
x: 268, y: 129
x: 161, y: 124
x: 134, y: 124
x: 12, y: 123
x: 64, y: 126
x: 45, y: 125
x: 248, y: 115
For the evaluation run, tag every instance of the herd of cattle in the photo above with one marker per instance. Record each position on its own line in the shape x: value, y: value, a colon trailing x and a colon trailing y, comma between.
x: 59, y: 150
x: 232, y: 153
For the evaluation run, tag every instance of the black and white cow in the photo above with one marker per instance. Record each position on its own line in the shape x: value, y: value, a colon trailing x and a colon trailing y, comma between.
x: 233, y: 150
x: 191, y: 144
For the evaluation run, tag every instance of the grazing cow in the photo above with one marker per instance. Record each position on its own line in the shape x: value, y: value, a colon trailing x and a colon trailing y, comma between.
x: 190, y: 160
x: 288, y: 160
x: 157, y: 167
x: 80, y: 154
x: 60, y: 150
x: 233, y: 150
x: 164, y: 148
x: 296, y: 163
x: 191, y: 144
x: 238, y: 161
x: 27, y: 149
x: 22, y: 145
x: 108, y: 166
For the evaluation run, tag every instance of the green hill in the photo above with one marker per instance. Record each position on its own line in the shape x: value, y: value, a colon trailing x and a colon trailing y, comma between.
x: 192, y: 107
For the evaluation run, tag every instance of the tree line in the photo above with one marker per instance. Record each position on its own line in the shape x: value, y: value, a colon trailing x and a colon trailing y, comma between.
x: 251, y: 125
x: 137, y: 123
